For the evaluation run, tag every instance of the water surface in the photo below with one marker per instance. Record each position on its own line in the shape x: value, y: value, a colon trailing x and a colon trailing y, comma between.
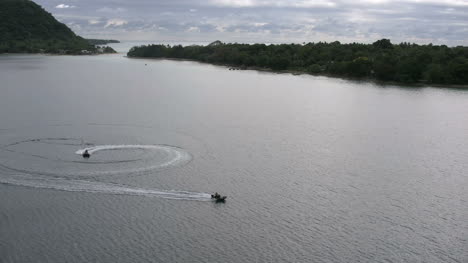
x: 316, y: 169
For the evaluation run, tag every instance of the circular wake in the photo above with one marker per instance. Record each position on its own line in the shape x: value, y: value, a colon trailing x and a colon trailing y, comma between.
x: 56, y: 163
x: 59, y: 157
x: 176, y: 155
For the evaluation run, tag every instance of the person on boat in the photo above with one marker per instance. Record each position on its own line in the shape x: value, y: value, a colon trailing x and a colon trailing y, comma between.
x: 86, y: 154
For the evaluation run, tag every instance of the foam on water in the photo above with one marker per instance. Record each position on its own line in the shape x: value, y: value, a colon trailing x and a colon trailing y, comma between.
x: 98, y: 148
x: 176, y: 155
x: 154, y: 158
x: 173, y: 156
x: 70, y: 185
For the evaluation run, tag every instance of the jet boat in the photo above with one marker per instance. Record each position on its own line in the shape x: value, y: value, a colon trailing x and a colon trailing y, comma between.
x: 218, y: 198
x: 86, y: 154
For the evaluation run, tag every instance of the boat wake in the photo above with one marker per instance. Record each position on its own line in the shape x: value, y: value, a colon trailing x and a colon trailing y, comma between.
x: 56, y: 160
x: 71, y: 185
x: 174, y: 155
x: 55, y: 168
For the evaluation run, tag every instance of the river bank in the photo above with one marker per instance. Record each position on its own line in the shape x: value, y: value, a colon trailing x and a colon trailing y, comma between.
x: 298, y: 72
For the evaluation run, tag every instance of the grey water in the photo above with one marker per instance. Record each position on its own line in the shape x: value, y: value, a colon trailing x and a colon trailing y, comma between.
x: 316, y: 169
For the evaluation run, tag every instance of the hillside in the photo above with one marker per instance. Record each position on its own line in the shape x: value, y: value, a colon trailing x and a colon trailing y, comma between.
x: 26, y: 27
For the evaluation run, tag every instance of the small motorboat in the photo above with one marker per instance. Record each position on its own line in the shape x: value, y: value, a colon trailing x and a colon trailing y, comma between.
x: 218, y: 198
x: 86, y: 154
x: 221, y: 199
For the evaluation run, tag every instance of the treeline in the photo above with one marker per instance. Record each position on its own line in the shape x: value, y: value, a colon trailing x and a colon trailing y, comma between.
x: 101, y: 41
x: 382, y: 60
x: 26, y: 27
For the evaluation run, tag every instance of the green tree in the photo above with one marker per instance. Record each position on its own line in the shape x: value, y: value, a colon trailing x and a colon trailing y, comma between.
x: 360, y: 67
x: 383, y: 44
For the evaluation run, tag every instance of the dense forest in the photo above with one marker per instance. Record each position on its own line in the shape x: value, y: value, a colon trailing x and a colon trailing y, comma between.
x: 101, y: 41
x: 25, y: 27
x: 382, y: 60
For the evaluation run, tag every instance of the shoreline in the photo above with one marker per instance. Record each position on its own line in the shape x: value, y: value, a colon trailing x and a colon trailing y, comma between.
x: 296, y: 73
x: 58, y: 54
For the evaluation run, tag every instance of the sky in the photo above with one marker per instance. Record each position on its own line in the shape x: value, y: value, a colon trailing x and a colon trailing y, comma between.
x: 266, y: 21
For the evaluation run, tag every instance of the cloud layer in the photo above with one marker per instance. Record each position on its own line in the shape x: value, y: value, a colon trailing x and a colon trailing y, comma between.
x: 267, y: 21
x: 62, y: 6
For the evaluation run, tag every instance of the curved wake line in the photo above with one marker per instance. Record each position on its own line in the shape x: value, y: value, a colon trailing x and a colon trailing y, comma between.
x: 177, y: 154
x: 175, y: 157
x: 46, y: 180
x: 99, y: 148
x: 100, y: 187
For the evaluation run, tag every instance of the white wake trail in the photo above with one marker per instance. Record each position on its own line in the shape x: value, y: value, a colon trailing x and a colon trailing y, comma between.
x: 171, y: 156
x: 99, y: 148
x: 98, y: 187
x: 175, y: 155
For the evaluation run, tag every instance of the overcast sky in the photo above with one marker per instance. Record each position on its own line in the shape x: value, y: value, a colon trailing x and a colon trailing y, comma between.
x: 267, y: 21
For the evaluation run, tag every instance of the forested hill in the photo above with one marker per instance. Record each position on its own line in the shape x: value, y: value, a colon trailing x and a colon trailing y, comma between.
x: 27, y: 27
x: 382, y: 60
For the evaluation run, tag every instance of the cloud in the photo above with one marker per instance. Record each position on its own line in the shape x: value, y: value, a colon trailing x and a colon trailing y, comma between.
x: 280, y: 3
x: 94, y: 21
x: 441, y: 2
x: 111, y: 10
x: 64, y: 6
x: 193, y: 29
x: 423, y: 21
x: 115, y: 22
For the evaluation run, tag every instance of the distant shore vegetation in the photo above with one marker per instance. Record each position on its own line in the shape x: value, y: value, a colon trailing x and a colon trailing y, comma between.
x: 101, y: 41
x: 381, y: 60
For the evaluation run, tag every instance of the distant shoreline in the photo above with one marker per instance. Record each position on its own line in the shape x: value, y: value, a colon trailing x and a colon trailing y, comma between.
x: 296, y: 73
x: 55, y: 54
x: 97, y: 42
x: 381, y: 61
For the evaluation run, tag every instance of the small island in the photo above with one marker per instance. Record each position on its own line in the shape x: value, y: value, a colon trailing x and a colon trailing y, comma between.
x: 26, y: 27
x: 382, y: 61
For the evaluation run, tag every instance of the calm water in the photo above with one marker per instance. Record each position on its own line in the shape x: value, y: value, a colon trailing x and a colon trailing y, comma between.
x: 315, y: 169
